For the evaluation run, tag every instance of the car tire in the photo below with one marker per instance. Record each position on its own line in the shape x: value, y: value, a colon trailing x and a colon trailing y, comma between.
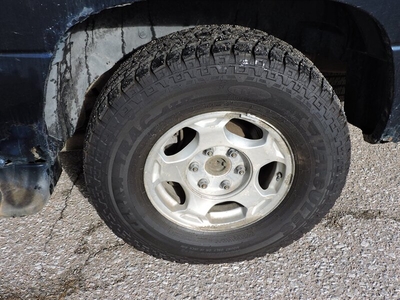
x: 215, y: 144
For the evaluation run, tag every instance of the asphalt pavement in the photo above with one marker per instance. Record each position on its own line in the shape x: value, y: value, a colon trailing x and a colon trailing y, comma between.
x: 66, y: 251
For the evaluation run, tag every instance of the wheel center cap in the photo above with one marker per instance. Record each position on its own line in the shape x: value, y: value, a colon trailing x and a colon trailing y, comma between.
x: 218, y: 165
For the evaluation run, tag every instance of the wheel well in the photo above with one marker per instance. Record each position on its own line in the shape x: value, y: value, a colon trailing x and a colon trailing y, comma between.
x: 345, y: 43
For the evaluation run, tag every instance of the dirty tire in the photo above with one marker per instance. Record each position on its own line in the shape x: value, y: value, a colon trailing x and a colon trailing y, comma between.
x: 160, y: 106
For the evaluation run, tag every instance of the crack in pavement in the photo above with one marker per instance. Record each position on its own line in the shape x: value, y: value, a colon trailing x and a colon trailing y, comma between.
x: 50, y: 235
x: 76, y: 283
x: 81, y: 248
x: 66, y: 198
x: 72, y: 280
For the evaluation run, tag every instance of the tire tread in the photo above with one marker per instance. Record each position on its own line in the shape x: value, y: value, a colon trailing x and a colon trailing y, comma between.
x: 205, y: 46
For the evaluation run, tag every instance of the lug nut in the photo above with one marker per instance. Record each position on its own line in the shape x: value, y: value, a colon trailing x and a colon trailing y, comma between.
x: 241, y: 170
x: 194, y: 167
x: 278, y: 176
x: 203, y: 183
x: 226, y: 185
x: 232, y: 153
x: 209, y: 152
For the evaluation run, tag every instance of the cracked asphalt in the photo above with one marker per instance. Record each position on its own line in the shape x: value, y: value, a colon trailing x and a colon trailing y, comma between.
x: 66, y: 251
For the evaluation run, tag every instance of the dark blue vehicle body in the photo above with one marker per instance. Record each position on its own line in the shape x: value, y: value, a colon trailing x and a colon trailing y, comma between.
x: 363, y: 35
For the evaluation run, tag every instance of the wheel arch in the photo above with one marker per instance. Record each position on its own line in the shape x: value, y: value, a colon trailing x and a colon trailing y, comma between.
x: 340, y: 34
x: 86, y: 56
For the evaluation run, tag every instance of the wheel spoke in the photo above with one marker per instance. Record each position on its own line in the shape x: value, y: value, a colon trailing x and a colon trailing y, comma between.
x: 173, y: 168
x: 265, y: 151
x: 212, y: 131
x: 197, y: 207
x: 253, y: 198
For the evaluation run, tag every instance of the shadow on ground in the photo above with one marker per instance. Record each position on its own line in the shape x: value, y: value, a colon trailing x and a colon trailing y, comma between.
x: 72, y: 164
